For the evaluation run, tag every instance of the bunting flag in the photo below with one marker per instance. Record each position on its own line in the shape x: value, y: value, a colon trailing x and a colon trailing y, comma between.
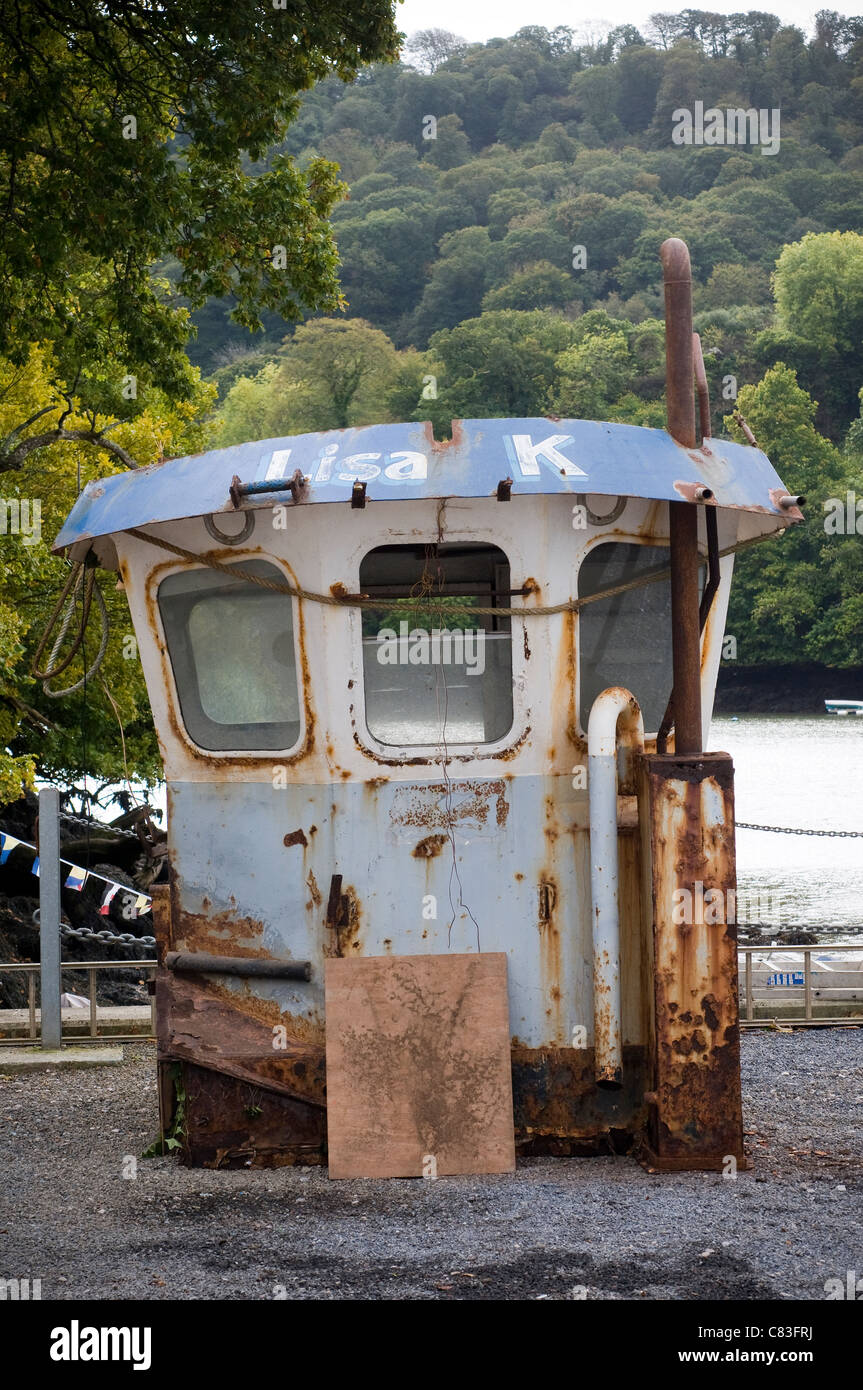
x: 77, y: 876
x: 113, y: 890
x: 7, y: 844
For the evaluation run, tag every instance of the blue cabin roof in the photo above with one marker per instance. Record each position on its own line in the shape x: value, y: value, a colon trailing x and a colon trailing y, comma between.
x: 401, y: 462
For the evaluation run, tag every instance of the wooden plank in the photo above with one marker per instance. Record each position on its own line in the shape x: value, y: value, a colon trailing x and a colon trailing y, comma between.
x: 419, y: 1079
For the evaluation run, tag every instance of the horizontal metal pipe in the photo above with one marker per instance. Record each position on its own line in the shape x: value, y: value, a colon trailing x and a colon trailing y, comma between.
x: 199, y: 963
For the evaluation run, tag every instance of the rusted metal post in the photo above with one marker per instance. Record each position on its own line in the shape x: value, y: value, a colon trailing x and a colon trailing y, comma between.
x: 683, y: 516
x: 49, y: 917
x: 687, y: 818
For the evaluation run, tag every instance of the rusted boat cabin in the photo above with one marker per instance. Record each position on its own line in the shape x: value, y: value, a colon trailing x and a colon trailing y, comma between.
x: 390, y: 678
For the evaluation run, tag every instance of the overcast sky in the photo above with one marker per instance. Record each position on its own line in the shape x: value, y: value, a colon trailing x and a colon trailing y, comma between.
x: 486, y: 19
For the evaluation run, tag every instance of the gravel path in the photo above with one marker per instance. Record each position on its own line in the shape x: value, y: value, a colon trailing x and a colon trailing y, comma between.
x: 557, y: 1228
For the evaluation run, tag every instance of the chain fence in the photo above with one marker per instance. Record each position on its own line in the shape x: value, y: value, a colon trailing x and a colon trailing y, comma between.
x: 793, y: 830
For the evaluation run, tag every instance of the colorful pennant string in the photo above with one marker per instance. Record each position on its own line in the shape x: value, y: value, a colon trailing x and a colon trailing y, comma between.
x: 77, y: 876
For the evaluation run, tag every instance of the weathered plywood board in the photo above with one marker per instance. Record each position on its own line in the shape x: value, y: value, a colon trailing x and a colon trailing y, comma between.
x: 419, y: 1079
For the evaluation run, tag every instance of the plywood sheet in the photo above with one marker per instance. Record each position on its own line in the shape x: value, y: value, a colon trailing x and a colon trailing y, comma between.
x: 419, y: 1080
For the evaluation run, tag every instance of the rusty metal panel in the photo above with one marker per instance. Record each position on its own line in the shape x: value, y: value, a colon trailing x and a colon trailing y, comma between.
x: 237, y: 1124
x: 371, y: 866
x: 560, y: 1109
x: 687, y: 807
x: 491, y: 864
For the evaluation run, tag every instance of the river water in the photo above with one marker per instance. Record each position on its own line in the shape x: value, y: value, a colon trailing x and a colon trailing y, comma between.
x: 804, y: 771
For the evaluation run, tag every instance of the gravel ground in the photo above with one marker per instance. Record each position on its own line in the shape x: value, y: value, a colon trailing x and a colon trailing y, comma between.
x: 558, y: 1228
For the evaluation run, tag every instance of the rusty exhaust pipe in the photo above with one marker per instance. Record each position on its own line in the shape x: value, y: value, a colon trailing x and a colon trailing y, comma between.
x: 703, y: 390
x: 683, y: 516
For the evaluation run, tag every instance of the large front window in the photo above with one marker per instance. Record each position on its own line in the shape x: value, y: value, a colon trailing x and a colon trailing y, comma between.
x: 437, y: 671
x: 231, y: 645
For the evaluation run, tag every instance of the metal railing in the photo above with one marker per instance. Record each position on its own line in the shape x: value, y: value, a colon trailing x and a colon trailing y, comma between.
x: 807, y: 1018
x: 32, y: 970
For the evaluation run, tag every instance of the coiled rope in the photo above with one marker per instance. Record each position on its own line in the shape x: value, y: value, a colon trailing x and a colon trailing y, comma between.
x: 82, y: 584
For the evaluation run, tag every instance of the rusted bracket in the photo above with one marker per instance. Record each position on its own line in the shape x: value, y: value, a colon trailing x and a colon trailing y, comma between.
x: 504, y: 490
x: 358, y: 495
x: 338, y: 906
x: 199, y: 963
x: 297, y: 486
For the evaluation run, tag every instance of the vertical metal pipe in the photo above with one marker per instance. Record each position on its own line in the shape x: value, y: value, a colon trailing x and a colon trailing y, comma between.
x: 703, y: 390
x: 49, y: 915
x: 611, y: 707
x: 750, y: 1011
x: 31, y: 1000
x: 683, y: 516
x: 685, y: 628
x: 807, y: 981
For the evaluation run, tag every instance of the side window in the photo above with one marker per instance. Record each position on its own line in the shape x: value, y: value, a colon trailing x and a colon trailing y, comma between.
x: 625, y: 640
x: 231, y: 646
x: 435, y: 670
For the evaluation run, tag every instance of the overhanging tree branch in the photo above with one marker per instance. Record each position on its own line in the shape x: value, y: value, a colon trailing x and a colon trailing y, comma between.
x: 11, y: 459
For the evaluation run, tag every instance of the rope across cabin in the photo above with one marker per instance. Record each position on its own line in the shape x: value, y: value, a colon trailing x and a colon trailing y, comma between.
x: 82, y: 579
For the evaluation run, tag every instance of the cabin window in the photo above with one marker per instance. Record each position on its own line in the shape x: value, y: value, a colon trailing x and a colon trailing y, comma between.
x: 625, y: 640
x: 231, y: 646
x: 435, y: 670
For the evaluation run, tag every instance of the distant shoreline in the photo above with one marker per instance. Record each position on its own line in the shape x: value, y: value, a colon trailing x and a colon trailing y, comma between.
x: 784, y: 689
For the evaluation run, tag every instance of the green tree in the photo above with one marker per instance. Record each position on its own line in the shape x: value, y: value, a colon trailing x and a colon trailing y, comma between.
x: 818, y: 287
x: 103, y: 730
x: 591, y: 375
x: 498, y: 364
x: 799, y: 597
x: 333, y: 373
x: 124, y: 137
x: 538, y: 286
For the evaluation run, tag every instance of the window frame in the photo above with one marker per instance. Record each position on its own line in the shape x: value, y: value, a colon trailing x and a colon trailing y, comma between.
x: 234, y: 754
x: 657, y: 543
x: 420, y: 753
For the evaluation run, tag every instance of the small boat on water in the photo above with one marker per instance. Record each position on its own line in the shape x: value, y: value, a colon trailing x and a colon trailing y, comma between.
x: 844, y: 706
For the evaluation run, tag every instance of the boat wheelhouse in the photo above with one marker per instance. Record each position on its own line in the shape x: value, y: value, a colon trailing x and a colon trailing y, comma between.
x: 420, y: 696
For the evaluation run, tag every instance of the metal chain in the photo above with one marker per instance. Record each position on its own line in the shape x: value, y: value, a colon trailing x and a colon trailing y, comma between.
x: 791, y: 830
x: 109, y: 937
x: 98, y: 826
